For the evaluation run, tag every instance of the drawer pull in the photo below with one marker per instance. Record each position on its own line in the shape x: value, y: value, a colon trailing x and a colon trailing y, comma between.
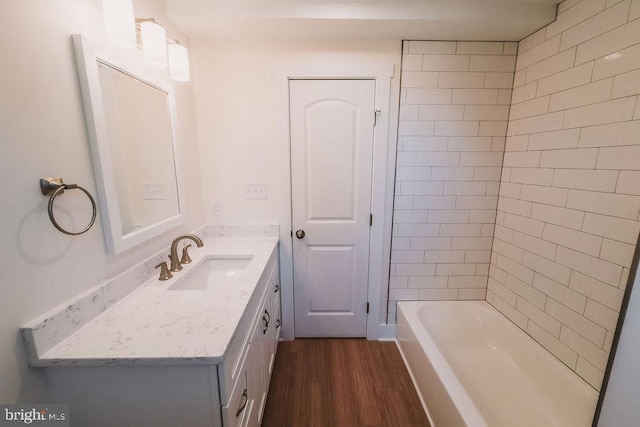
x: 266, y: 319
x: 245, y: 399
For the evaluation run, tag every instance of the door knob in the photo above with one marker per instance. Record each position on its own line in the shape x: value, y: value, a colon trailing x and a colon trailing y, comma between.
x: 300, y: 234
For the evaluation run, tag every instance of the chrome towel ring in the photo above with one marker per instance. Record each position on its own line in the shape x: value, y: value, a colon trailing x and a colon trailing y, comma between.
x: 55, y: 186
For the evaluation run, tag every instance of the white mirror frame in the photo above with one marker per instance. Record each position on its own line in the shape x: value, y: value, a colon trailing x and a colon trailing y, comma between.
x: 87, y: 57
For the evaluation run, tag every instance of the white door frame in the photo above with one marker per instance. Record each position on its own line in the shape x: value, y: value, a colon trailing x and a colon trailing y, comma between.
x: 384, y: 156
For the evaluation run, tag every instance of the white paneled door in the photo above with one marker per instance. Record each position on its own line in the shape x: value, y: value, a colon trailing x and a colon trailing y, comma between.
x: 331, y: 161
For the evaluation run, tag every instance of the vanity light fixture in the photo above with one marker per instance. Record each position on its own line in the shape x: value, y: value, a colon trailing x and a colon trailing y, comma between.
x: 122, y: 28
x: 154, y: 42
x: 178, y: 61
x: 119, y: 22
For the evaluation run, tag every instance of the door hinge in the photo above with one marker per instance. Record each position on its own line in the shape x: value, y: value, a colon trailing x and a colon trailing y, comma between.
x: 291, y: 233
x: 375, y: 117
x: 367, y: 308
x: 370, y: 220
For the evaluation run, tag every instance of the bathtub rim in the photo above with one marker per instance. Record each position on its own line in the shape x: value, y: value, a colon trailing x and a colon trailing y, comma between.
x: 463, y: 403
x: 410, y: 325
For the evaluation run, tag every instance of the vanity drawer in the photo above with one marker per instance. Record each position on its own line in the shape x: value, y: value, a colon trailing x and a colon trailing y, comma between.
x: 238, y: 412
x: 277, y: 312
x: 244, y: 407
x: 276, y: 303
x: 231, y: 367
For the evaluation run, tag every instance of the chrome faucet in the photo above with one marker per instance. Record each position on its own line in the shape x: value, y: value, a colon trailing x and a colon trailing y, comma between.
x: 175, y: 261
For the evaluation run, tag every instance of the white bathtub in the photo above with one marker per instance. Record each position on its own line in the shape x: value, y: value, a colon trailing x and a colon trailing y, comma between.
x: 472, y: 367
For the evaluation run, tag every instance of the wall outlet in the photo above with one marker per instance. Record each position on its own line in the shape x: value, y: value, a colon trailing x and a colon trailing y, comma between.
x: 255, y: 190
x: 216, y: 208
x: 153, y: 191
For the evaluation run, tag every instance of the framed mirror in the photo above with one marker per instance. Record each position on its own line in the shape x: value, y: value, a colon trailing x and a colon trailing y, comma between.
x: 131, y: 123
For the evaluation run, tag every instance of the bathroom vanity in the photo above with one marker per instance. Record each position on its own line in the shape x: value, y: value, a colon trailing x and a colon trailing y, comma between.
x: 195, y: 350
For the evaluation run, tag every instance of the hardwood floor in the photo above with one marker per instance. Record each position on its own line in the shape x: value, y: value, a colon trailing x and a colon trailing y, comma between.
x: 341, y: 382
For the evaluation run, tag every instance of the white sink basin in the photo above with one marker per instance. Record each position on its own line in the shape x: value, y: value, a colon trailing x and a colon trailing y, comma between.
x: 213, y: 273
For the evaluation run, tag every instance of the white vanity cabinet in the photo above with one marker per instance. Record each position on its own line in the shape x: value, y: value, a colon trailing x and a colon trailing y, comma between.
x: 182, y: 392
x: 245, y: 374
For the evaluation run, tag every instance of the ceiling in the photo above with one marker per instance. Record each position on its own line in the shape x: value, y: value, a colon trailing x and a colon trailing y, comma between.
x: 506, y: 20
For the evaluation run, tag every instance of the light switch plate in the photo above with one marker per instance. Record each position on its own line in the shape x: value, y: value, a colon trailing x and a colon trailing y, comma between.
x: 255, y: 190
x: 153, y: 191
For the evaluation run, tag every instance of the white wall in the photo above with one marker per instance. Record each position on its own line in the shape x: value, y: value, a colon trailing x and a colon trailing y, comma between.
x: 235, y: 101
x: 237, y: 93
x: 568, y: 212
x: 620, y: 405
x: 42, y: 133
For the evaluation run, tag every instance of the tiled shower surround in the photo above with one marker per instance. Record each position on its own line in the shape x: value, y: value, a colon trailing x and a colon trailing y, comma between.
x: 567, y: 220
x: 568, y: 210
x: 454, y: 108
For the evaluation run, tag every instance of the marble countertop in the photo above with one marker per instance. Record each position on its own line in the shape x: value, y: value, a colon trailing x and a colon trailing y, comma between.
x: 154, y: 325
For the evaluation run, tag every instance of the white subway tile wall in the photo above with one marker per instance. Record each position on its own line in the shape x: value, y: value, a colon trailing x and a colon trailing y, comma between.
x: 454, y: 109
x: 555, y: 255
x: 569, y: 204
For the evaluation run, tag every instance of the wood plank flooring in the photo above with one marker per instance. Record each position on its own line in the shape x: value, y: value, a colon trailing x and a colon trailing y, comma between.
x: 341, y: 382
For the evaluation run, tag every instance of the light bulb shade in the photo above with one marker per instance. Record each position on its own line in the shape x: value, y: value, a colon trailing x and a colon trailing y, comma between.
x: 154, y: 44
x: 119, y: 22
x: 178, y: 62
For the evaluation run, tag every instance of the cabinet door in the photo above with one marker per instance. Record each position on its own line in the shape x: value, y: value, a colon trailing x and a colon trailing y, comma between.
x: 277, y: 313
x: 276, y: 316
x: 268, y: 326
x: 255, y: 380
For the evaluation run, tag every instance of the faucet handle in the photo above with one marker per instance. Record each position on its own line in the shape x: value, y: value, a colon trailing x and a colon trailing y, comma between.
x: 186, y: 259
x: 165, y: 274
